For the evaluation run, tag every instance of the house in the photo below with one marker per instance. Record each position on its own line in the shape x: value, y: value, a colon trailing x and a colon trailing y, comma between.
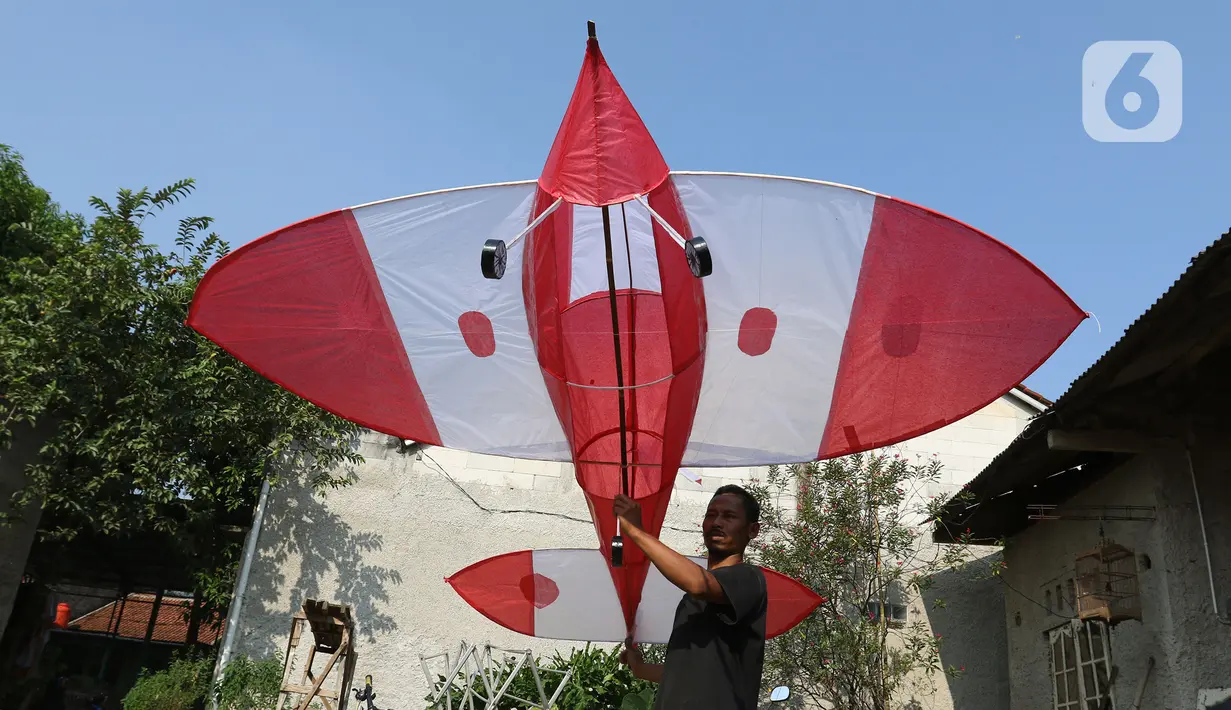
x: 1114, y: 506
x: 413, y: 516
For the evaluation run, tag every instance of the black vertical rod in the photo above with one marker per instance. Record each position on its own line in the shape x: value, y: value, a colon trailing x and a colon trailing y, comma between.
x: 632, y: 338
x: 619, y: 363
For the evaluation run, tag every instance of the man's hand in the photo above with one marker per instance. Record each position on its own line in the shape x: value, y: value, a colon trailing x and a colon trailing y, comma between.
x: 678, y: 569
x: 631, y: 655
x: 627, y: 510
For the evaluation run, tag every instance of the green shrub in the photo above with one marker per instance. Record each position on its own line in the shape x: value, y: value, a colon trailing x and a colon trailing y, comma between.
x: 599, y: 682
x: 249, y: 684
x: 182, y: 686
x: 185, y: 685
x: 642, y: 700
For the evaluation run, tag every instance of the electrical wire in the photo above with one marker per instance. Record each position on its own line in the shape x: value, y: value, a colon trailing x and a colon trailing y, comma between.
x: 435, y: 465
x: 1030, y: 599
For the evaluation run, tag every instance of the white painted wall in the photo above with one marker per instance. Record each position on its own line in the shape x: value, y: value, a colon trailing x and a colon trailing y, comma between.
x: 385, y: 544
x: 967, y: 446
x: 969, y: 621
x: 1192, y: 651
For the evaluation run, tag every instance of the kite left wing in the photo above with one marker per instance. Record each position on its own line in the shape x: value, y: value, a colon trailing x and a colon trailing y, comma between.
x: 379, y: 314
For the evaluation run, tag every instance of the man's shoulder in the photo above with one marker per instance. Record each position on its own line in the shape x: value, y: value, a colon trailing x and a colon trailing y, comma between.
x: 743, y: 582
x: 744, y: 571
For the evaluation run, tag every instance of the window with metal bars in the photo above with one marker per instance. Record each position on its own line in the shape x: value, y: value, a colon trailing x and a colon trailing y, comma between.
x: 1081, y: 666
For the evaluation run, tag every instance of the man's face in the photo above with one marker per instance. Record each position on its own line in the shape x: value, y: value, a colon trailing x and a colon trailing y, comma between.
x: 726, y: 527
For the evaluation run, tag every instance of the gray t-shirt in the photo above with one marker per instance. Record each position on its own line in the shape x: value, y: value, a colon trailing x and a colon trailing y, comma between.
x: 716, y: 651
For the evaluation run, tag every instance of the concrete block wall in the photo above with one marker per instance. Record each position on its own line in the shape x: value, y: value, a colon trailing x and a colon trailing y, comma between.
x: 970, y: 618
x: 967, y: 446
x: 385, y: 544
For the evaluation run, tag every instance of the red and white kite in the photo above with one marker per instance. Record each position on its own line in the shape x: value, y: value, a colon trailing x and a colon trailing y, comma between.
x: 827, y: 320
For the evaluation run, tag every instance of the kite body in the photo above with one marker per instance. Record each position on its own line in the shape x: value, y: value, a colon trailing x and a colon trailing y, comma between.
x: 830, y: 320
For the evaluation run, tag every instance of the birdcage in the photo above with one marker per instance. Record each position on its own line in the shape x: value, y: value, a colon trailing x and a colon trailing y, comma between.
x: 1107, y: 584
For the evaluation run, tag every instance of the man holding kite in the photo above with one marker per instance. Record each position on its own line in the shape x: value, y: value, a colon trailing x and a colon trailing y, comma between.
x: 717, y: 644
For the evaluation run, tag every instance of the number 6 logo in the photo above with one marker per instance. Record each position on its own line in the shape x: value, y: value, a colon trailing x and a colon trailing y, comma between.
x: 1132, y: 92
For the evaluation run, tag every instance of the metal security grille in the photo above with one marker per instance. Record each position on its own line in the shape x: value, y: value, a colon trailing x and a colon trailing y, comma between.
x: 1080, y: 663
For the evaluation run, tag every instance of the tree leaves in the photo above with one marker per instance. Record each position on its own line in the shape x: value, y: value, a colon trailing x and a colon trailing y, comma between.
x: 173, y: 193
x: 158, y: 429
x: 853, y: 530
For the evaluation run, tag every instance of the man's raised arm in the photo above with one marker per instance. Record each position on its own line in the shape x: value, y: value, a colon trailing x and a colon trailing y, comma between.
x: 678, y: 569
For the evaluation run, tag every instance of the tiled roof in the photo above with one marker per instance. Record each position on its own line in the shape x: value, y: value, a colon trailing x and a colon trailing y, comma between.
x: 1043, y: 400
x: 171, y: 625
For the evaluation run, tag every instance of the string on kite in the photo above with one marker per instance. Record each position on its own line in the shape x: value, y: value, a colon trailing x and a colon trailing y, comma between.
x: 1096, y: 321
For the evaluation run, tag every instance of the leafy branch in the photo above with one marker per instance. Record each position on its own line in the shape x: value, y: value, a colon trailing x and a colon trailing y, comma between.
x: 154, y: 428
x: 853, y: 530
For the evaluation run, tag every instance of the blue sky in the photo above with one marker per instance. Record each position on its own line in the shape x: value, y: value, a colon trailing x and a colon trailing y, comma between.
x: 285, y: 110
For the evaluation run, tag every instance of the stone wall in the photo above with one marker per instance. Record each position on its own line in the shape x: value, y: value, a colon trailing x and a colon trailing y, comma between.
x: 1191, y: 650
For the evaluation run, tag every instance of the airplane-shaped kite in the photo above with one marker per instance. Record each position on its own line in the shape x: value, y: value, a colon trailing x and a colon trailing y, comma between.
x: 649, y: 319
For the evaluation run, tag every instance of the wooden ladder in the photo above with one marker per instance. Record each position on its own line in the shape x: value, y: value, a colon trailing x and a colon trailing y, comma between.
x: 332, y: 627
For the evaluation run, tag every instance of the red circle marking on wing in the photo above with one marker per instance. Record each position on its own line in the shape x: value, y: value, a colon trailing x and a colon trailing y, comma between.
x: 477, y: 332
x: 539, y: 590
x: 756, y: 331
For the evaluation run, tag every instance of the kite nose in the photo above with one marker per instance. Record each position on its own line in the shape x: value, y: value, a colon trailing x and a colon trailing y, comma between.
x: 603, y: 154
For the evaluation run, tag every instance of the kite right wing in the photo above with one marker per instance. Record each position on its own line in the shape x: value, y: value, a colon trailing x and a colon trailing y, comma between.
x: 840, y: 320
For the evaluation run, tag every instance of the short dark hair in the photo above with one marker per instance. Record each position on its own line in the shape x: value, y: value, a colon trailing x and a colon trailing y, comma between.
x: 752, y: 509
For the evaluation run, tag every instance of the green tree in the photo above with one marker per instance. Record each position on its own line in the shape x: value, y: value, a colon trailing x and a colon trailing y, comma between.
x: 853, y: 529
x: 155, y: 429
